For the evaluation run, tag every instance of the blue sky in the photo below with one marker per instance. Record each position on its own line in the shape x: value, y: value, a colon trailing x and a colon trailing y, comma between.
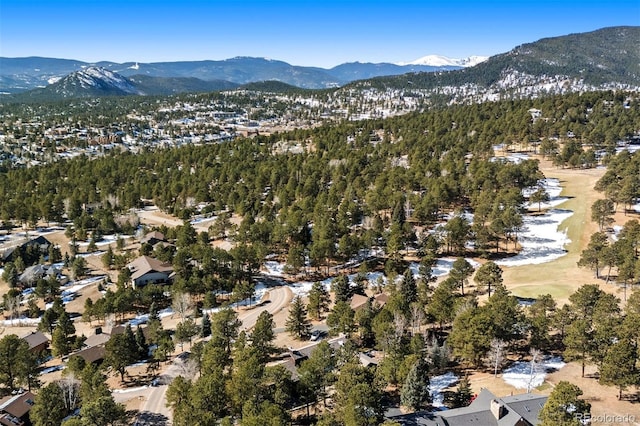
x: 311, y: 33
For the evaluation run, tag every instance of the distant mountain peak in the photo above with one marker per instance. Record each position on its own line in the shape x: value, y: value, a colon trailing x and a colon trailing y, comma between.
x: 94, y: 80
x: 444, y: 61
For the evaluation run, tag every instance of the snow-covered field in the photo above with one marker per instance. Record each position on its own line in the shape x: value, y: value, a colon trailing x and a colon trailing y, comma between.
x: 540, y: 239
x: 273, y: 268
x: 443, y: 267
x: 524, y: 375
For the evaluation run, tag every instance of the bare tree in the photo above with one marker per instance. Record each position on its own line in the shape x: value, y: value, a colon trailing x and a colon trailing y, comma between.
x: 496, y: 355
x: 182, y: 303
x: 417, y: 316
x: 189, y: 369
x: 70, y: 387
x: 399, y: 324
x: 536, y: 355
x: 12, y: 305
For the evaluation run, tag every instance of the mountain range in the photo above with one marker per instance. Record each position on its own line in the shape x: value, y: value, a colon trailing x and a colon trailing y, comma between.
x: 21, y: 74
x: 601, y: 59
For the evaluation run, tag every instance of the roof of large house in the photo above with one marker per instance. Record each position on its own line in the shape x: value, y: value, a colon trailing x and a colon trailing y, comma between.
x: 358, y: 301
x: 40, y: 241
x: 153, y: 235
x: 145, y: 264
x: 486, y: 410
x: 17, y: 405
x: 91, y: 354
x: 35, y: 339
x: 97, y: 339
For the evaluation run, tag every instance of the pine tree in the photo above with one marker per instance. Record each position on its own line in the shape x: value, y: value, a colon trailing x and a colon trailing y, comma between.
x: 341, y: 288
x: 107, y: 258
x: 408, y: 288
x: 262, y: 335
x: 415, y: 391
x: 121, y: 351
x: 59, y: 343
x: 297, y: 323
x: 619, y: 366
x: 489, y: 275
x: 341, y: 319
x: 205, y: 327
x: 462, y: 396
x: 318, y: 301
x: 141, y: 344
x: 564, y: 407
x: 49, y: 408
x: 461, y: 271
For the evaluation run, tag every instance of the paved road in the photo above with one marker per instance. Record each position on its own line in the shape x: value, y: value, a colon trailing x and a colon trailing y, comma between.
x: 277, y: 299
x: 154, y: 410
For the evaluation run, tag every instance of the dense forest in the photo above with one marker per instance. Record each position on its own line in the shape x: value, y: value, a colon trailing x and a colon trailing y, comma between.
x: 424, y: 164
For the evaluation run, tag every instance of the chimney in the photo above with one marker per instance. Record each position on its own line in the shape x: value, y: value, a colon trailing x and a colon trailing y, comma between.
x: 497, y: 409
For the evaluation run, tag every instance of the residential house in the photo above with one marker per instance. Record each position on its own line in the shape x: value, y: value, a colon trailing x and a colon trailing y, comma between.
x: 14, y: 409
x: 147, y: 270
x: 32, y: 274
x: 92, y: 354
x: 358, y: 301
x: 37, y: 342
x: 35, y: 246
x: 152, y: 238
x: 486, y: 410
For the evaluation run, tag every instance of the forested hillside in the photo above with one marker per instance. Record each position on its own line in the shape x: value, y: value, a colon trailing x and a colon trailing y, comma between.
x: 605, y: 56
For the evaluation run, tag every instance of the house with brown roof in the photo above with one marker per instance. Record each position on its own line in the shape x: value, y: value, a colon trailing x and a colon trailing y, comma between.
x: 92, y: 354
x: 154, y: 237
x: 37, y: 341
x: 14, y: 409
x: 358, y: 301
x: 148, y: 270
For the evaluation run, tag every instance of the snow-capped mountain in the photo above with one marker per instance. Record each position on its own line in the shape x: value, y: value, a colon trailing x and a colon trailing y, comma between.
x: 100, y: 78
x: 444, y: 61
x: 93, y: 81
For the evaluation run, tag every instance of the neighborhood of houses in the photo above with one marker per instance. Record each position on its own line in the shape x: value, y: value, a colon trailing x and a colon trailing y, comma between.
x: 486, y: 409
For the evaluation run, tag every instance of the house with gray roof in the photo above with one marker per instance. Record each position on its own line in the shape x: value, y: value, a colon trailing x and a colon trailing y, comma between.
x: 485, y: 410
x: 148, y: 270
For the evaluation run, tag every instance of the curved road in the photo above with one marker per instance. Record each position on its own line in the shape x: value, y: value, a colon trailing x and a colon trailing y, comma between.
x: 154, y: 410
x: 277, y: 299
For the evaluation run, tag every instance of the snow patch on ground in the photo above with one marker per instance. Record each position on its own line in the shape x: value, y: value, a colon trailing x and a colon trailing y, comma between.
x: 140, y: 388
x: 541, y: 240
x: 442, y: 267
x: 23, y: 321
x: 524, y: 375
x: 52, y: 369
x: 165, y: 313
x: 107, y: 239
x: 273, y: 268
x: 553, y: 188
x: 79, y: 285
x: 438, y: 384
